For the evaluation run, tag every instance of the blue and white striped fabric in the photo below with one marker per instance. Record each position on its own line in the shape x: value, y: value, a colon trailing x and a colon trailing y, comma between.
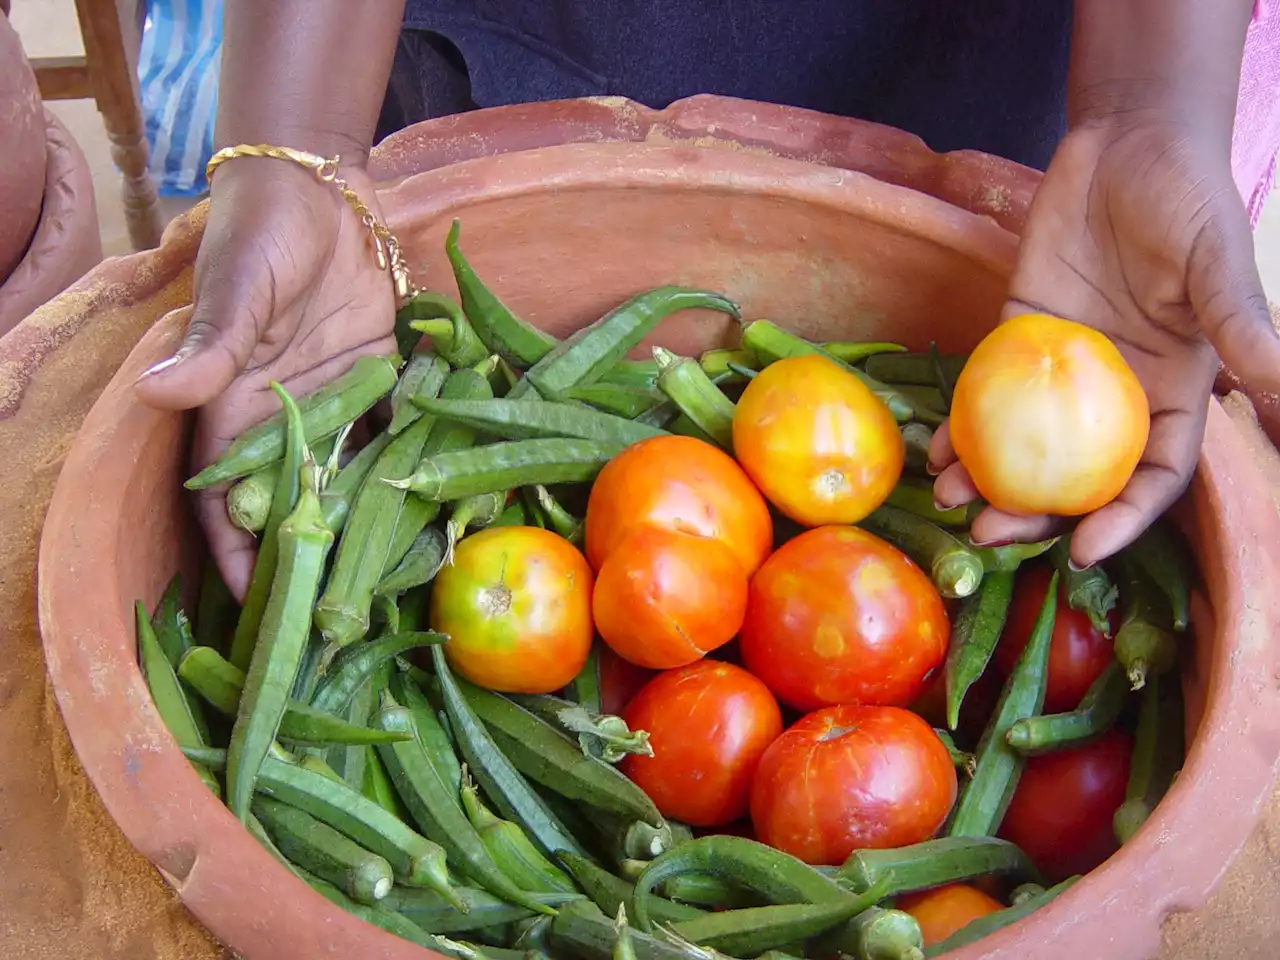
x: 178, y: 69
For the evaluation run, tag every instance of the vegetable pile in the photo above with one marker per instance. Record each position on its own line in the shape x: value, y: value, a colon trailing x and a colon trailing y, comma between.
x: 584, y: 656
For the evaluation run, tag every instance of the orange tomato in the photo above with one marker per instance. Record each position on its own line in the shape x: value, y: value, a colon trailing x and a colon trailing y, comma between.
x: 849, y: 777
x: 837, y: 615
x: 664, y: 599
x: 816, y: 441
x: 703, y: 780
x: 516, y: 605
x: 681, y: 484
x: 1048, y: 418
x: 944, y: 910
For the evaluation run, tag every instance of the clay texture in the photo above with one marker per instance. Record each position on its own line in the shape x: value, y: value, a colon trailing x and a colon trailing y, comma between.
x: 563, y: 233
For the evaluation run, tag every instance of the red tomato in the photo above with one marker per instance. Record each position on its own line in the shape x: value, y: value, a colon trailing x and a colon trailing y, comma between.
x: 682, y: 484
x: 1048, y: 418
x: 817, y: 441
x: 944, y: 910
x: 664, y: 599
x: 1078, y: 652
x: 516, y: 605
x: 849, y: 777
x: 709, y: 724
x: 837, y: 615
x: 1061, y: 812
x: 620, y: 680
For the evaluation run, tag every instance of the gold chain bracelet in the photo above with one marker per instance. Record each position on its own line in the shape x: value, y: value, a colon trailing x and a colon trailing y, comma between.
x: 385, y: 245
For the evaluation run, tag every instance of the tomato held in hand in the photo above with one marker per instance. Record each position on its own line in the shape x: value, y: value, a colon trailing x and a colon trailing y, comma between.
x: 1048, y: 418
x: 944, y: 910
x: 681, y: 484
x: 816, y: 441
x: 708, y: 724
x: 665, y: 599
x: 1061, y: 812
x: 1078, y: 652
x: 837, y: 615
x: 516, y: 605
x: 849, y: 777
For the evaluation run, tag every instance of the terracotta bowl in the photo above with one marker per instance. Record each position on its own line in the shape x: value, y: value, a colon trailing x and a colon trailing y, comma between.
x: 564, y: 233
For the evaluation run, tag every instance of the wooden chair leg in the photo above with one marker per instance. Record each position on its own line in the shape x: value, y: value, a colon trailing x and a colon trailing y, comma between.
x: 115, y: 88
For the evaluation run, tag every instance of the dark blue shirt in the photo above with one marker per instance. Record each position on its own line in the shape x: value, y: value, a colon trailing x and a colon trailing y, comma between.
x: 983, y: 74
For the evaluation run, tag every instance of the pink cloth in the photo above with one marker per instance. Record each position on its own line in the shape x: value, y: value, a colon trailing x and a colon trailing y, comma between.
x: 1256, y: 137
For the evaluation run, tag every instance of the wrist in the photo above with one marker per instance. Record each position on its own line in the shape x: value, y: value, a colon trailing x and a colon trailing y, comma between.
x: 352, y: 150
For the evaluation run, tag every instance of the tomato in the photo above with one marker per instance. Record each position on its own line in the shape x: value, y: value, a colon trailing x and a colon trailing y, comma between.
x: 1048, y: 418
x: 1061, y: 812
x: 516, y: 605
x: 816, y: 441
x: 664, y: 599
x: 620, y: 681
x: 1078, y: 652
x: 837, y: 615
x: 709, y: 724
x: 849, y: 777
x: 944, y: 910
x: 677, y: 483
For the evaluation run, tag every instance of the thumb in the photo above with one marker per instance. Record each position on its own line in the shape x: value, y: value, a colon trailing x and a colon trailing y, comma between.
x: 1227, y: 297
x: 223, y: 332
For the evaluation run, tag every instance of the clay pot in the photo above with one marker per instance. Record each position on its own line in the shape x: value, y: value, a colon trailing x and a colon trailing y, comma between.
x: 66, y: 243
x: 564, y: 233
x: 22, y: 147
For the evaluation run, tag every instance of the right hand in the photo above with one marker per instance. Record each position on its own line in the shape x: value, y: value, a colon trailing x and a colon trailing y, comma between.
x: 287, y: 288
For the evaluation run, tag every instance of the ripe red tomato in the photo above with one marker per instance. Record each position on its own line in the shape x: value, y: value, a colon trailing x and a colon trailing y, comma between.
x: 1061, y: 811
x: 1048, y: 418
x: 665, y: 599
x: 709, y: 723
x: 516, y: 605
x: 944, y: 910
x: 620, y: 680
x: 677, y: 483
x: 837, y: 615
x: 817, y: 441
x: 1078, y: 652
x: 849, y: 777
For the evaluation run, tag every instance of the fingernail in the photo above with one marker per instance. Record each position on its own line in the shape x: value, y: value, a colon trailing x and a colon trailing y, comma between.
x: 1071, y: 565
x: 942, y: 507
x: 160, y: 367
x: 930, y: 469
x: 990, y: 543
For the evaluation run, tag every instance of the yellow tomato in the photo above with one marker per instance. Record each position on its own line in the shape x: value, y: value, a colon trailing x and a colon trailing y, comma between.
x: 1048, y: 418
x: 816, y: 441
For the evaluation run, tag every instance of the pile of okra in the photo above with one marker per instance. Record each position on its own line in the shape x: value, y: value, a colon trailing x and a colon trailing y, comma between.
x: 481, y: 825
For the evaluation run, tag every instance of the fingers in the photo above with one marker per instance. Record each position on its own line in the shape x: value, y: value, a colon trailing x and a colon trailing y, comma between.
x: 941, y: 453
x: 992, y: 528
x: 1160, y: 479
x: 233, y: 549
x: 221, y: 336
x: 1227, y: 297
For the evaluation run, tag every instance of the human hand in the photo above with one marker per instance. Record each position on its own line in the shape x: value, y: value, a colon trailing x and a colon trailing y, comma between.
x: 1137, y: 230
x: 286, y: 289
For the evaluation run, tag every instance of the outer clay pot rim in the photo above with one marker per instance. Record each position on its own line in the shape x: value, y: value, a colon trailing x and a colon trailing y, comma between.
x: 206, y: 857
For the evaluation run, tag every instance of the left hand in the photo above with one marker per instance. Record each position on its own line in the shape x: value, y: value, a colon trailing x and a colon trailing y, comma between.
x: 1137, y: 230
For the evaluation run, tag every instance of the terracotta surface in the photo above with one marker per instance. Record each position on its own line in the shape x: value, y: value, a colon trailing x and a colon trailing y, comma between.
x: 22, y: 150
x: 97, y: 898
x: 66, y: 243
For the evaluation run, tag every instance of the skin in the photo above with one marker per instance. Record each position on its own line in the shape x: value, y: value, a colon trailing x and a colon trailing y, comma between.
x: 1137, y: 230
x: 816, y: 441
x: 837, y: 615
x: 849, y: 777
x: 516, y: 605
x: 703, y: 781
